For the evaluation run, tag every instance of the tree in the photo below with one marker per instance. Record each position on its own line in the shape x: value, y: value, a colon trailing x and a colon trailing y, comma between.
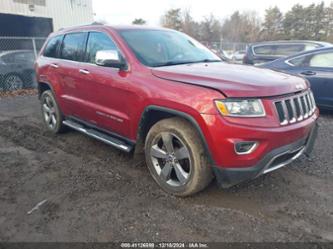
x: 273, y: 25
x: 210, y: 29
x: 172, y: 19
x: 189, y: 26
x: 139, y: 21
x: 241, y: 27
x: 310, y: 22
x: 294, y: 23
x: 329, y: 27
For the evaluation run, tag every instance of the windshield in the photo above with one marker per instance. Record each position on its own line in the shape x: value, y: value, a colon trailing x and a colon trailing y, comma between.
x: 156, y: 48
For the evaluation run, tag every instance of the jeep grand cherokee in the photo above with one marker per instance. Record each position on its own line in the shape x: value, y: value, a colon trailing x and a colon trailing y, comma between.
x: 160, y: 91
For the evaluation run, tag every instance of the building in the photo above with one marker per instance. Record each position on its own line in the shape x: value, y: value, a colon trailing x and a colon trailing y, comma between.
x: 37, y: 18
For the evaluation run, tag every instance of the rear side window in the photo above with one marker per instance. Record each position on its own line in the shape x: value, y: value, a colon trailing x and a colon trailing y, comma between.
x: 279, y: 49
x: 97, y: 42
x: 73, y: 46
x: 264, y: 50
x: 52, y: 47
x: 289, y: 49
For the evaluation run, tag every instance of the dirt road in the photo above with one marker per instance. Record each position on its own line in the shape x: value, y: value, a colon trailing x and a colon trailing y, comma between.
x: 93, y: 192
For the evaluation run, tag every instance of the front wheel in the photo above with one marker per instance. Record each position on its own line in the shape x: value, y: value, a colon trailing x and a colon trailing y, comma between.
x: 176, y: 158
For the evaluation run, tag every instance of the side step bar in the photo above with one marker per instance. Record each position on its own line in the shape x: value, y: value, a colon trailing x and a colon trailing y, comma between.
x: 99, y: 135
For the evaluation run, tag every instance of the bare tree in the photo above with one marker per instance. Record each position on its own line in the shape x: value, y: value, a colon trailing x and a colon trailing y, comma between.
x: 241, y: 27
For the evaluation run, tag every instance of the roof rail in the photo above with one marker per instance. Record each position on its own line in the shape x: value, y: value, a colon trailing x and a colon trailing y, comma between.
x: 93, y: 23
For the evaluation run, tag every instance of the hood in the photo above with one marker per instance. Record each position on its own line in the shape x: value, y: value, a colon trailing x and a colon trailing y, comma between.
x: 233, y: 80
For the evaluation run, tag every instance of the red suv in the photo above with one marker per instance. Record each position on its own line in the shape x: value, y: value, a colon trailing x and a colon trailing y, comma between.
x: 161, y: 92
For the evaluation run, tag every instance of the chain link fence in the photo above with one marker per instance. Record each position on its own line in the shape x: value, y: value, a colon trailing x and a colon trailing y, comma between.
x: 17, y: 57
x: 230, y: 51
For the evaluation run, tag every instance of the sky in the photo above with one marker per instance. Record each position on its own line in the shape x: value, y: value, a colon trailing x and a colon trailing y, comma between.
x: 125, y: 11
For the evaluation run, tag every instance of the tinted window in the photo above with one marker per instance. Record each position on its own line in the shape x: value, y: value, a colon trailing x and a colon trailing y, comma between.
x: 300, y: 61
x: 98, y: 42
x: 264, y: 50
x: 279, y: 50
x: 73, y: 46
x: 289, y: 49
x: 52, y: 46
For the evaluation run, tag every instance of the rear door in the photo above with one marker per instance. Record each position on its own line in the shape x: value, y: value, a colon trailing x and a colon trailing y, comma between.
x: 71, y: 55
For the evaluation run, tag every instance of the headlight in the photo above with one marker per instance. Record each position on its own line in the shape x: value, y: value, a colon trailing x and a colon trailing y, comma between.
x: 241, y: 107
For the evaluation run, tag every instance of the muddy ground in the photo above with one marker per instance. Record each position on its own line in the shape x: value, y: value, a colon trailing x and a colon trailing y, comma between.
x: 97, y: 193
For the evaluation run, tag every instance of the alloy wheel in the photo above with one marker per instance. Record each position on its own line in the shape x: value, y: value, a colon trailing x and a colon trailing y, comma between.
x: 49, y: 112
x: 171, y: 159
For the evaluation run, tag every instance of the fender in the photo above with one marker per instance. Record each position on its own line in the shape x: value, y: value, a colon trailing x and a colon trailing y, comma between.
x: 184, y: 115
x: 40, y: 89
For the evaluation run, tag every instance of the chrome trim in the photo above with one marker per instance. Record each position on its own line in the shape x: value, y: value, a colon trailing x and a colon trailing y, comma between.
x: 268, y: 169
x: 253, y: 148
x: 84, y: 71
x: 306, y: 111
x: 79, y: 128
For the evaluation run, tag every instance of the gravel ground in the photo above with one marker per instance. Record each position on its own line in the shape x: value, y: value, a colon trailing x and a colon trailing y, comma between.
x: 94, y: 192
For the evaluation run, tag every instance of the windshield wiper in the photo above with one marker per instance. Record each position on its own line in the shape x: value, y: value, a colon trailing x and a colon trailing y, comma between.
x: 173, y: 63
x: 206, y: 61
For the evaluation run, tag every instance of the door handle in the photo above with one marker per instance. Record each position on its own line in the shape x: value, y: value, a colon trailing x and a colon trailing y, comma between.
x: 54, y: 65
x: 84, y: 71
x: 308, y: 73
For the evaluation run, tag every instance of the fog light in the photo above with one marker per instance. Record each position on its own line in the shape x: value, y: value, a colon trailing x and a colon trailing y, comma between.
x: 247, y: 147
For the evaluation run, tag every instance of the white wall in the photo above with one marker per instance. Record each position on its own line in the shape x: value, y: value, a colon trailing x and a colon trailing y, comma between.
x: 64, y: 13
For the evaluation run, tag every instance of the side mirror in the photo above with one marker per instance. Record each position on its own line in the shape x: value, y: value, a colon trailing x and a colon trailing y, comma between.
x: 109, y: 58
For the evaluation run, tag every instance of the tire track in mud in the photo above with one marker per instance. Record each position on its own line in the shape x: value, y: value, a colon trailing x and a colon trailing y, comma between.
x: 107, y: 179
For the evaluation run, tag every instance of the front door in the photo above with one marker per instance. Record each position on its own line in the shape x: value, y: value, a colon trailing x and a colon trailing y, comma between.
x: 106, y: 90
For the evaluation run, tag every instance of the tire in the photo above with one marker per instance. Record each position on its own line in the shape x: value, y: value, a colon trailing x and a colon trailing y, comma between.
x: 180, y: 167
x: 51, y: 112
x: 13, y: 82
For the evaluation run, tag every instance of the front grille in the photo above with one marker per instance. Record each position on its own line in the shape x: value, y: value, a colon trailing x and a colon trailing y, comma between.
x: 295, y: 108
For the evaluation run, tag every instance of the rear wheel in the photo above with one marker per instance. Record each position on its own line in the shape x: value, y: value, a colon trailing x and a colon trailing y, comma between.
x: 176, y: 157
x: 52, y: 115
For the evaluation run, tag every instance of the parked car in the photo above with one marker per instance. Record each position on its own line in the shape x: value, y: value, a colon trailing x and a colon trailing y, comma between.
x: 160, y: 92
x: 262, y: 52
x: 222, y: 54
x: 16, y: 69
x: 238, y: 56
x: 317, y: 67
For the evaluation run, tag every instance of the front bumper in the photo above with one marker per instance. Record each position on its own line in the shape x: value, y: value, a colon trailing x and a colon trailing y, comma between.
x: 277, y: 158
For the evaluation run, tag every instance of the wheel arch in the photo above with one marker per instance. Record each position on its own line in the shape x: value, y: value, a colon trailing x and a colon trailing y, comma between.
x: 44, y: 86
x: 153, y: 114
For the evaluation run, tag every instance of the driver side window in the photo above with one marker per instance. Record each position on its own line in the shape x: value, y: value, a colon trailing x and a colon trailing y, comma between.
x: 322, y: 60
x: 97, y: 42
